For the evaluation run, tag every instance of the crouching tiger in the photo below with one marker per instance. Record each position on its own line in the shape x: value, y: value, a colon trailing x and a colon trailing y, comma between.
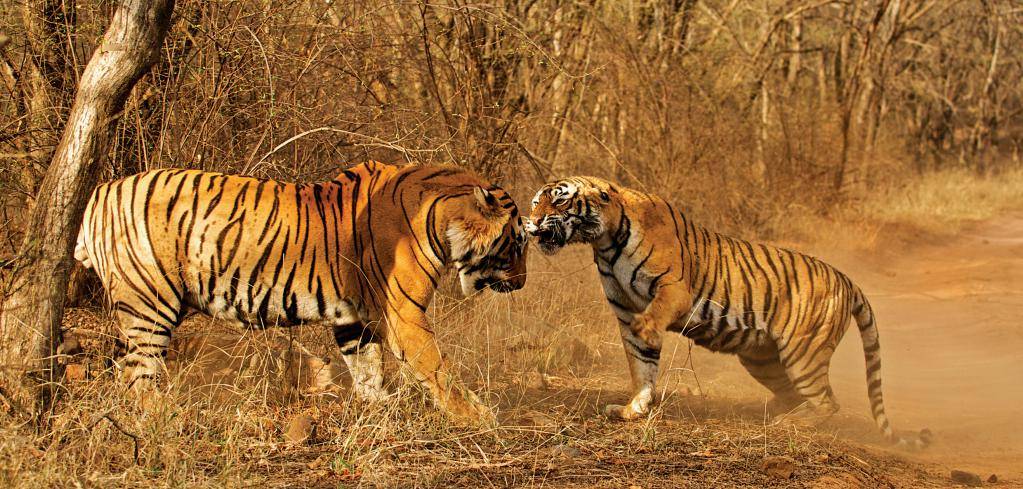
x: 362, y: 253
x: 782, y: 312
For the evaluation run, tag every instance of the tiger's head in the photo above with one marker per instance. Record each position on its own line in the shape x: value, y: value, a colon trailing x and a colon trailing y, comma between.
x: 488, y: 242
x: 568, y: 211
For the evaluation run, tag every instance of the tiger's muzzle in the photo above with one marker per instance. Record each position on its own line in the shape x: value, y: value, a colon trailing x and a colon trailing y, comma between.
x: 551, y: 234
x: 499, y: 285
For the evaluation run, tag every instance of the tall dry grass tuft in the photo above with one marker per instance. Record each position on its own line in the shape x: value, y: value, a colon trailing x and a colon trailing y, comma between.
x: 942, y: 201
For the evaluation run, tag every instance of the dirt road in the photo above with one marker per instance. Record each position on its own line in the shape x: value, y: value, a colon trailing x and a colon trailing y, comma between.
x: 951, y: 320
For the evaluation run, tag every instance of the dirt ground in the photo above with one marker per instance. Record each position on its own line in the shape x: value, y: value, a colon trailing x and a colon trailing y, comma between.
x: 949, y: 313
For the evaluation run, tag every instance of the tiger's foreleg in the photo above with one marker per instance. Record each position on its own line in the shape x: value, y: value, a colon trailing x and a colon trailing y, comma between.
x: 643, y: 361
x: 362, y: 353
x: 642, y: 339
x: 412, y: 342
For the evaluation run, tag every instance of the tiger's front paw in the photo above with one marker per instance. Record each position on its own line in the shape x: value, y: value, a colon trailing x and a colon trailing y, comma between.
x: 371, y: 393
x: 623, y: 413
x: 470, y: 412
x: 477, y: 416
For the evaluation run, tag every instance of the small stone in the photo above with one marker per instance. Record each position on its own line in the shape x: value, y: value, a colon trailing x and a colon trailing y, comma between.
x: 315, y: 464
x: 779, y: 467
x: 76, y: 372
x: 301, y: 429
x: 842, y: 480
x: 70, y: 346
x: 993, y: 479
x: 565, y: 452
x: 539, y: 420
x: 966, y: 478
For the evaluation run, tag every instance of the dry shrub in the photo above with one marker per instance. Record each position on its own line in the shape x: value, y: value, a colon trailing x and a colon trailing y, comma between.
x: 743, y: 113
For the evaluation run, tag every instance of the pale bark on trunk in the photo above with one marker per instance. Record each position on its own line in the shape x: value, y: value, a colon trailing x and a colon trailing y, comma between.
x: 796, y: 48
x: 31, y: 317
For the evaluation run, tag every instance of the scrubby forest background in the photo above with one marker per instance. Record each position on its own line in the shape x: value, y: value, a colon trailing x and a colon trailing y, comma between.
x: 802, y: 122
x: 741, y: 110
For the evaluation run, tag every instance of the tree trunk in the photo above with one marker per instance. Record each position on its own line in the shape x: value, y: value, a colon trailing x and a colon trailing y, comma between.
x: 30, y: 322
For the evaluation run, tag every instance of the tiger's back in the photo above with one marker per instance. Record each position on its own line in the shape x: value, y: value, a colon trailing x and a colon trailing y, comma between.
x: 240, y: 248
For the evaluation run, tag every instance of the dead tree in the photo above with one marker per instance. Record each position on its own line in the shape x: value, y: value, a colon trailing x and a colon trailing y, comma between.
x: 30, y: 322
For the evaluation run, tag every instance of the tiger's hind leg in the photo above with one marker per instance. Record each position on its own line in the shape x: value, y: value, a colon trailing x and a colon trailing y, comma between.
x: 145, y: 338
x: 807, y: 364
x: 362, y: 352
x: 769, y: 372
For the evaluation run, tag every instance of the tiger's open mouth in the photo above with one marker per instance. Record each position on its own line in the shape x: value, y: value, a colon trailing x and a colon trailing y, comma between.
x: 551, y: 239
x: 495, y: 284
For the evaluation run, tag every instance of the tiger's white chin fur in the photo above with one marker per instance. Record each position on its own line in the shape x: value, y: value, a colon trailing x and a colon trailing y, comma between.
x: 461, y: 244
x: 550, y: 248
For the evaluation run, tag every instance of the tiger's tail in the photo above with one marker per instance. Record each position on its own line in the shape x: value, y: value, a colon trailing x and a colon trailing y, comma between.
x: 81, y: 252
x: 872, y: 353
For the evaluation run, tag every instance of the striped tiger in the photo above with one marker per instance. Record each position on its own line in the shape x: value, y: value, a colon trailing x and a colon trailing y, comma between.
x: 782, y: 312
x: 362, y: 253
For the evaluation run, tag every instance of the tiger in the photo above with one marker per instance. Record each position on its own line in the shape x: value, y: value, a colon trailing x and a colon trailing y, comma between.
x: 781, y: 312
x: 362, y: 253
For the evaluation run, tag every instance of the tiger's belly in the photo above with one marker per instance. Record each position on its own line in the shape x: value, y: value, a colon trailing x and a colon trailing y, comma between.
x: 723, y: 327
x: 277, y: 309
x: 266, y: 302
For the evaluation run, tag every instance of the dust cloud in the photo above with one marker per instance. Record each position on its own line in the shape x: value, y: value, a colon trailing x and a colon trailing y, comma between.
x: 950, y: 313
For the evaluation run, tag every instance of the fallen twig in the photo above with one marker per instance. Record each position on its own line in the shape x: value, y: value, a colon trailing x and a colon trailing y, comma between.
x: 113, y: 421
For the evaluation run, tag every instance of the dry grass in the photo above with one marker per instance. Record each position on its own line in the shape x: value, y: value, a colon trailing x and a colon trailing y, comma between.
x: 547, y: 365
x: 942, y: 201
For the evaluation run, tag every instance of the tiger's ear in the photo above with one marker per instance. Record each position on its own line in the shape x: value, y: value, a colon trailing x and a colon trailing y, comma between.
x: 485, y: 201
